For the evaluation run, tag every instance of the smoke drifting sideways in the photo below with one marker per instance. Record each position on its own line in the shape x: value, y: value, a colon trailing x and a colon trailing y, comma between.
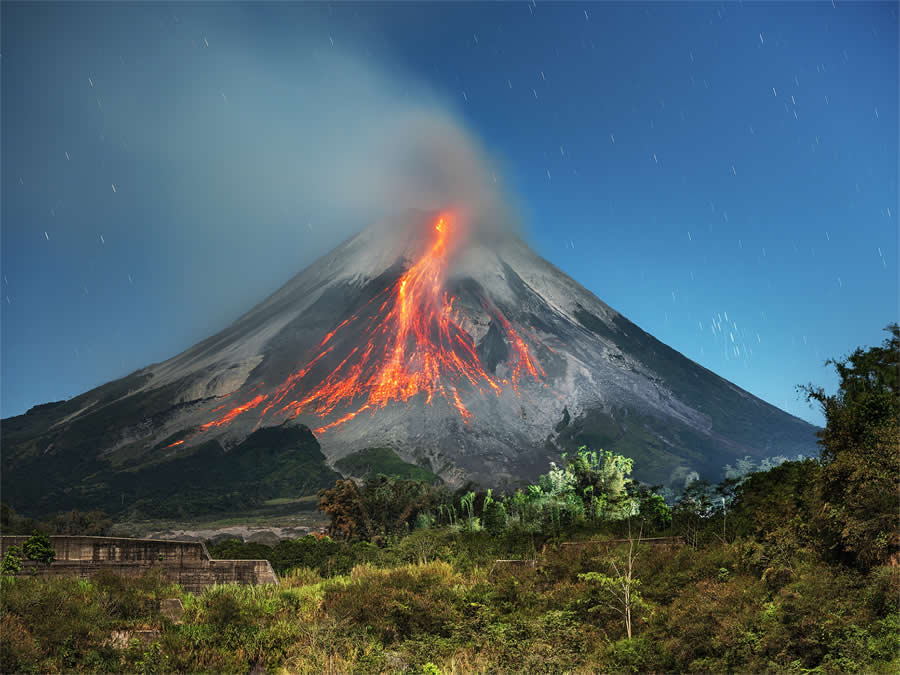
x: 302, y: 146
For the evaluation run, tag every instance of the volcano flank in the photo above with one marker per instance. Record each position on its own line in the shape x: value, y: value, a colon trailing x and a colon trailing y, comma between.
x: 470, y: 356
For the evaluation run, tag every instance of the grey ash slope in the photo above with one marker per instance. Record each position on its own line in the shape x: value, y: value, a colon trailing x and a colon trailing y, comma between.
x: 608, y: 384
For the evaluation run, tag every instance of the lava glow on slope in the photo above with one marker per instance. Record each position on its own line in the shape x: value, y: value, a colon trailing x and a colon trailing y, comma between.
x: 412, y: 346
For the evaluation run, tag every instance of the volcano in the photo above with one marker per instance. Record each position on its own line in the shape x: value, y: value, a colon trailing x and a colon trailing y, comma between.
x: 461, y: 352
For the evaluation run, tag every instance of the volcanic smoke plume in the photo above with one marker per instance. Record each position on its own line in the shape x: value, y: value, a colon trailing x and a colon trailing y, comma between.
x: 276, y: 163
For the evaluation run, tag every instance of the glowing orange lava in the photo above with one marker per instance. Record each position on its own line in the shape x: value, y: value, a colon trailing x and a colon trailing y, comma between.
x: 413, y: 345
x: 234, y: 413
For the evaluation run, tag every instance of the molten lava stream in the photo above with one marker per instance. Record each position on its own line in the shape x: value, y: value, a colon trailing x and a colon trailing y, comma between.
x: 412, y: 345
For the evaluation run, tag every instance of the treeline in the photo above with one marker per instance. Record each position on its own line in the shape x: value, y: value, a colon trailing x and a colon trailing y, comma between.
x: 589, y: 489
x: 88, y: 523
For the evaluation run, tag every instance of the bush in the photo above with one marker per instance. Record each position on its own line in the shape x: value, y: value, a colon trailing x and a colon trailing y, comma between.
x: 128, y: 599
x: 12, y: 561
x: 38, y: 548
x: 222, y: 610
x: 400, y: 603
x: 495, y: 518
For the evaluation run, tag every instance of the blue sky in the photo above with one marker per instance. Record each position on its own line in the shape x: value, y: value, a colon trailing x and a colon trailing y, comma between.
x: 683, y: 161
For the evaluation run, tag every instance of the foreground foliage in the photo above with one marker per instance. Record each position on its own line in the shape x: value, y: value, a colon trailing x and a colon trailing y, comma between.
x: 700, y: 610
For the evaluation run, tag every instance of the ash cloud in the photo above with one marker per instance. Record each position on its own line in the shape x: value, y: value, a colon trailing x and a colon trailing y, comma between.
x: 305, y: 149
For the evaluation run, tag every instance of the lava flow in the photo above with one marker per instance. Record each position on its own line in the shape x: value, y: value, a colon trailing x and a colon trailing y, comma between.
x: 413, y: 345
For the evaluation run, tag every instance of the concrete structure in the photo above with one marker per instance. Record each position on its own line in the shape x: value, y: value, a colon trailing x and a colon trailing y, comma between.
x: 183, y: 562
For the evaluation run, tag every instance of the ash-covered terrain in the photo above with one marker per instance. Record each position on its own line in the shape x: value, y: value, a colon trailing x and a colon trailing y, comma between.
x: 465, y: 353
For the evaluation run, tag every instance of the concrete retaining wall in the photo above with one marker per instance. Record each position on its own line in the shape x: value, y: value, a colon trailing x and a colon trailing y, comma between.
x: 183, y: 562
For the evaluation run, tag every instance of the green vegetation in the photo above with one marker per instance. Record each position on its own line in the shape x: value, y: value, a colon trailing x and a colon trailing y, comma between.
x: 38, y: 548
x: 94, y: 523
x: 371, y: 462
x: 12, y: 561
x: 270, y: 463
x: 857, y: 485
x: 436, y: 597
x: 275, y: 462
x: 788, y: 570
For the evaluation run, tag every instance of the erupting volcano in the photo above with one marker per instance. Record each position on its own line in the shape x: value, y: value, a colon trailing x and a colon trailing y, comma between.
x: 466, y: 353
x: 414, y: 346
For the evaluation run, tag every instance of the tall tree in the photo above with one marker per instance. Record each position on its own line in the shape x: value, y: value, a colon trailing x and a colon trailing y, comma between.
x: 861, y: 453
x: 601, y: 480
x: 344, y: 506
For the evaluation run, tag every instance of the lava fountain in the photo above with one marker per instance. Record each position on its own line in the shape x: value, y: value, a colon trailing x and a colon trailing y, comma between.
x: 413, y: 345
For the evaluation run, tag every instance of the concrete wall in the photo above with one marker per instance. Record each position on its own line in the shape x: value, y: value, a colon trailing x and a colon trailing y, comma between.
x: 183, y: 562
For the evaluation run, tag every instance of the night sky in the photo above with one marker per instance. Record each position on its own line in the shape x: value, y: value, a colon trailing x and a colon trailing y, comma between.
x: 165, y: 167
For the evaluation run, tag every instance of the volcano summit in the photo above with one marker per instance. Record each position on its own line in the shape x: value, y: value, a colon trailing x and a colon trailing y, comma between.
x: 463, y: 352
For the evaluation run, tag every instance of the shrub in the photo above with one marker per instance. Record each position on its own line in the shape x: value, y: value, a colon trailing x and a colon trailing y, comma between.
x: 127, y: 598
x: 222, y: 610
x: 400, y: 603
x: 38, y: 548
x: 12, y: 561
x: 495, y: 518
